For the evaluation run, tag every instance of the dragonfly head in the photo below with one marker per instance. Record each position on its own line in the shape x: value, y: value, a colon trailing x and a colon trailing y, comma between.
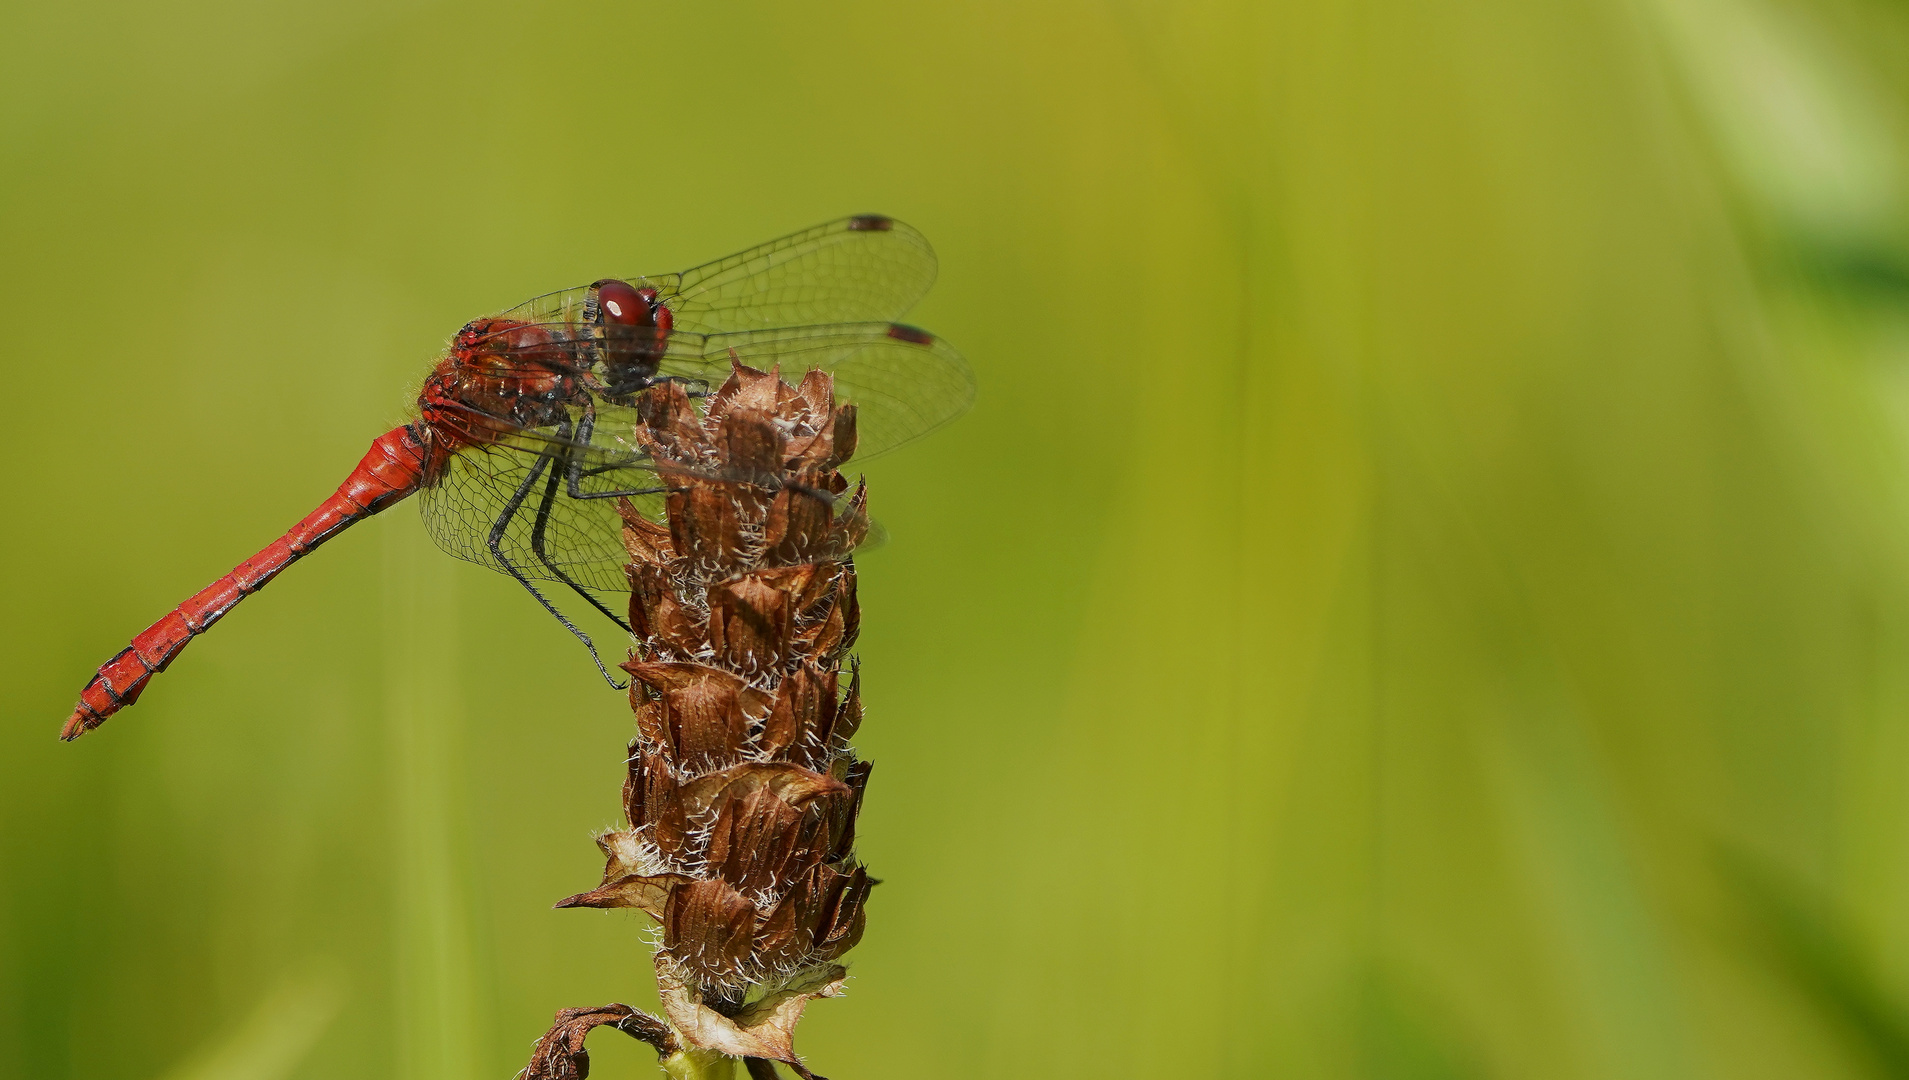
x: 636, y: 325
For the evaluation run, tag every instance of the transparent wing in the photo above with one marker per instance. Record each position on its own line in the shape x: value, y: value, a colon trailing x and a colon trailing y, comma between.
x: 866, y: 268
x: 541, y: 504
x: 904, y: 382
x: 523, y: 496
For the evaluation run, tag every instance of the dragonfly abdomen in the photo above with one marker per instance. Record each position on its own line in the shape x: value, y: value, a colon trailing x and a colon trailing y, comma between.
x: 392, y: 469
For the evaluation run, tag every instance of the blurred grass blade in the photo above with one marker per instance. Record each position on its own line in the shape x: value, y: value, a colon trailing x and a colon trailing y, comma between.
x: 1814, y: 948
x: 279, y: 1033
x: 1402, y: 1038
x: 439, y: 1037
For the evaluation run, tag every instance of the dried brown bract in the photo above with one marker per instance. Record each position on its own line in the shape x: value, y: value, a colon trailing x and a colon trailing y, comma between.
x: 742, y: 789
x: 560, y: 1054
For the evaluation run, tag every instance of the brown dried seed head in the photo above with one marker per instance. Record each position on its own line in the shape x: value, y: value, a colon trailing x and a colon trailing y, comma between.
x: 741, y: 792
x: 660, y: 615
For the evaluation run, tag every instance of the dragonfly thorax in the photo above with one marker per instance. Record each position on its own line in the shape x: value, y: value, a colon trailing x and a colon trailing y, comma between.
x: 501, y: 377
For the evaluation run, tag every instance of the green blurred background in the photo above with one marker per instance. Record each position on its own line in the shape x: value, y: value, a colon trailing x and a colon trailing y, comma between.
x: 1424, y: 592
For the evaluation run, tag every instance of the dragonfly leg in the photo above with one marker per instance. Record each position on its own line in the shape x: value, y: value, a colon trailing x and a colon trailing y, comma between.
x: 496, y: 542
x: 574, y: 474
x: 695, y: 388
x: 540, y: 525
x: 623, y: 493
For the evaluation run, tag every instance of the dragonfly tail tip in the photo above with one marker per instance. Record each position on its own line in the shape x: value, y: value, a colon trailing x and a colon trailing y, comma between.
x: 82, y: 721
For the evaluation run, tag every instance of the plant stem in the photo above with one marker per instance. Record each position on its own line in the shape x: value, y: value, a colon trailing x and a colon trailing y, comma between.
x: 699, y: 1065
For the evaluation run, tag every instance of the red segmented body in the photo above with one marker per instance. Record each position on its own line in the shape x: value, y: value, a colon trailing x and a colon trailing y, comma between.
x: 392, y: 469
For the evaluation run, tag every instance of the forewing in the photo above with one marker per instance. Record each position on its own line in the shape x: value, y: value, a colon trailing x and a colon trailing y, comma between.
x: 866, y: 268
x: 904, y: 382
x: 545, y: 534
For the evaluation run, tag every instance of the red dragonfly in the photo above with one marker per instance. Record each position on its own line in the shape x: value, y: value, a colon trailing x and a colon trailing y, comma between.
x: 524, y: 441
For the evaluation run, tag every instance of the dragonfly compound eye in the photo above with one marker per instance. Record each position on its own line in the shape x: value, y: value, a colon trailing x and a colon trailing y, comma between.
x: 622, y: 304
